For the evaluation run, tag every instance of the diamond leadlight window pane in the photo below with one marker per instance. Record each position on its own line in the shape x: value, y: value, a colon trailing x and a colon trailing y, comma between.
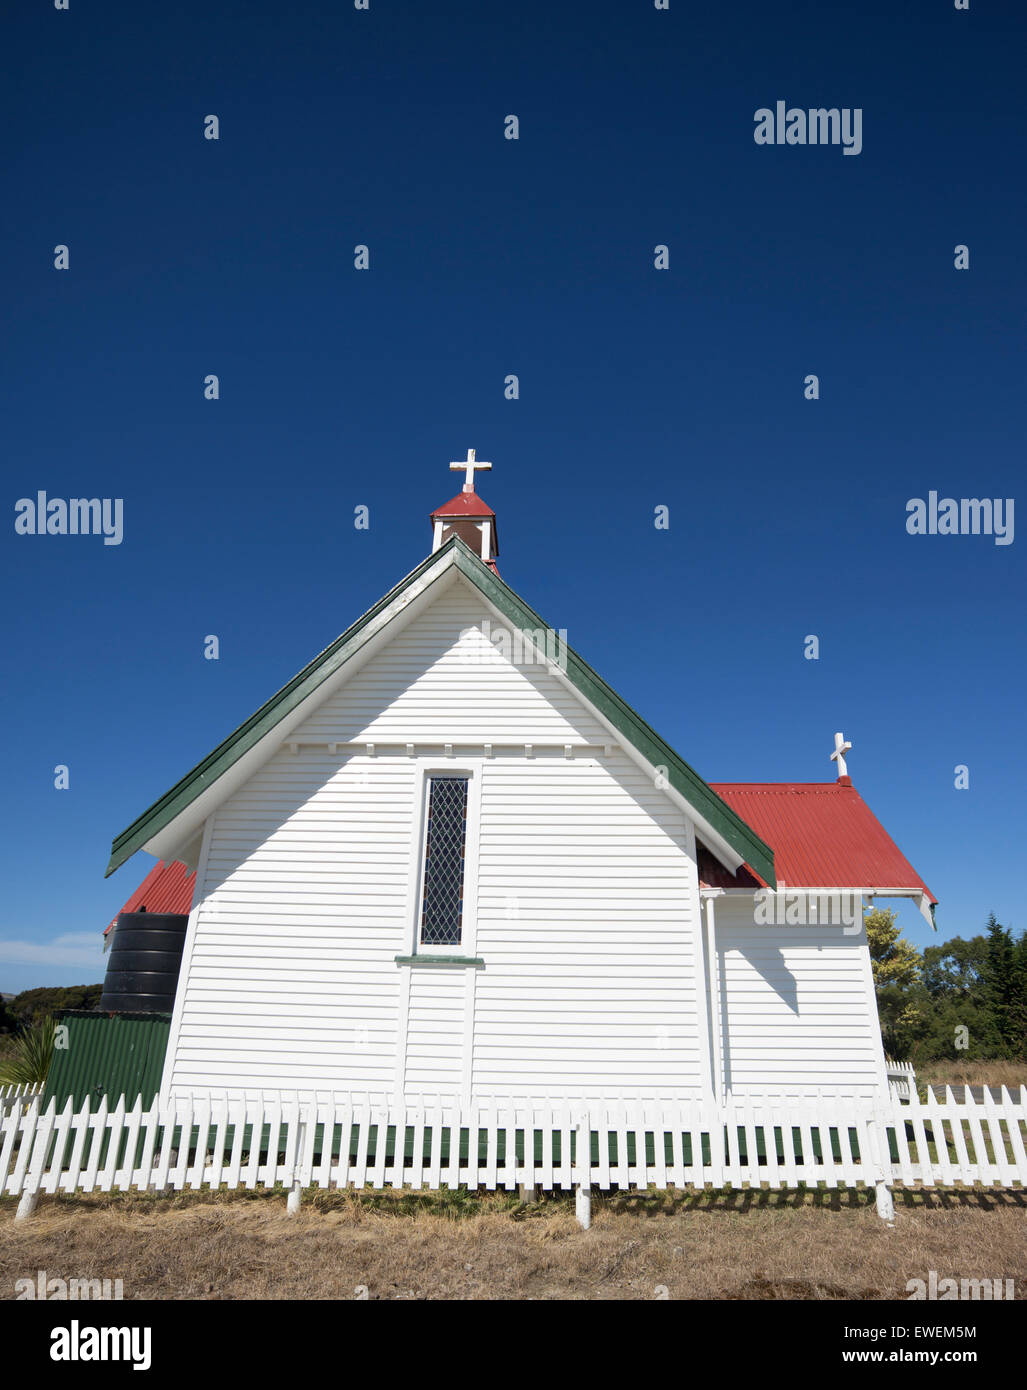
x: 443, y: 900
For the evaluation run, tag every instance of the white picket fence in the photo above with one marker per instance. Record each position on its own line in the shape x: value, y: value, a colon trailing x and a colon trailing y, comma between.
x: 16, y: 1092
x: 239, y: 1143
x: 901, y: 1078
x: 10, y: 1096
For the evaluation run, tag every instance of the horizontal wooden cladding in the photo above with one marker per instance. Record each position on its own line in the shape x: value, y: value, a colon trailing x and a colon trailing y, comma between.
x: 323, y: 1011
x: 261, y: 990
x: 793, y: 1007
x: 435, y: 1037
x: 431, y: 683
x: 287, y: 1043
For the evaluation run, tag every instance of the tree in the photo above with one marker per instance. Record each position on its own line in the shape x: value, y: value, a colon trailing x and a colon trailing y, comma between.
x: 897, y: 968
x: 1018, y: 997
x: 955, y: 970
x: 999, y: 985
x: 32, y: 1004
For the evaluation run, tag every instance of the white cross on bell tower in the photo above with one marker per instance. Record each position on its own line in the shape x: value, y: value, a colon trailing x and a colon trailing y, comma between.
x: 469, y: 464
x: 838, y: 756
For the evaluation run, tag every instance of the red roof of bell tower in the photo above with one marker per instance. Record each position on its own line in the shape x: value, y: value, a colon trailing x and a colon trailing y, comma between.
x: 464, y: 504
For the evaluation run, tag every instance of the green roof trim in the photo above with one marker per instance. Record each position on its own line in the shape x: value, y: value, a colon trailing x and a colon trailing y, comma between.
x: 684, y: 779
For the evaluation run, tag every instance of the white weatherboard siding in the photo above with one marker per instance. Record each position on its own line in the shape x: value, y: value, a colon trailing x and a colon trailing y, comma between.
x: 441, y: 678
x: 436, y: 1031
x: 587, y: 920
x: 291, y: 980
x: 796, y: 1008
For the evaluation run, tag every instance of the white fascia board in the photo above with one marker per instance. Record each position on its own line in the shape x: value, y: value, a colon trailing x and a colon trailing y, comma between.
x: 922, y: 901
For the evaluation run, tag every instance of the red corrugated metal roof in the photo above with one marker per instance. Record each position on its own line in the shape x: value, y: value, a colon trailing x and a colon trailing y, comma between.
x: 166, y: 888
x: 823, y: 835
x: 464, y: 504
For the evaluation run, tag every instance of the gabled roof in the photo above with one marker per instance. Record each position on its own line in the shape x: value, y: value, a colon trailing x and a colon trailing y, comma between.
x: 464, y: 504
x: 166, y: 888
x: 455, y: 553
x: 824, y: 836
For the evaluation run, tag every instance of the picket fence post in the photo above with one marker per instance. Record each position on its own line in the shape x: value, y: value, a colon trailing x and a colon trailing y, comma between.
x: 24, y: 1174
x: 296, y: 1130
x: 877, y: 1134
x: 26, y: 1205
x: 583, y: 1177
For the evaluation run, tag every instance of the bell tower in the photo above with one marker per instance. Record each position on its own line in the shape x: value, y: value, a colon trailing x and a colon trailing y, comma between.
x: 467, y: 516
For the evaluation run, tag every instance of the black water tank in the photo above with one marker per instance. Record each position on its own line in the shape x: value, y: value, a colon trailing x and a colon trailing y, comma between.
x: 142, y: 971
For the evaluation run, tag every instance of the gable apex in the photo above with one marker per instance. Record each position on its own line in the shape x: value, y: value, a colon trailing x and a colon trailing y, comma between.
x: 175, y: 815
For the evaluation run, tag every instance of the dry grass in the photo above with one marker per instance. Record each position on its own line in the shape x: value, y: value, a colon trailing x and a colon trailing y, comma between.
x: 994, y: 1073
x: 748, y: 1245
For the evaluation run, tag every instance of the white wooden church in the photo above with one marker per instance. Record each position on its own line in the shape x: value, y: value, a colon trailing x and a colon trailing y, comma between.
x: 447, y: 860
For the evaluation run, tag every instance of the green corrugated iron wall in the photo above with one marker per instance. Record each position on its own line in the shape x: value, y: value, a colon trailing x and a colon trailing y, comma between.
x: 108, y: 1055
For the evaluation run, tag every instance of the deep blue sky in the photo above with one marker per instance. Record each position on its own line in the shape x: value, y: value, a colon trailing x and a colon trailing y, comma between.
x: 638, y: 388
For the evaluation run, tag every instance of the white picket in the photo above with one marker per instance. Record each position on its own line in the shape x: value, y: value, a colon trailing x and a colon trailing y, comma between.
x: 362, y: 1120
x: 618, y: 1121
x: 509, y: 1125
x: 418, y: 1124
x: 986, y: 1170
x: 72, y: 1180
x: 325, y: 1117
x: 97, y: 1126
x: 309, y: 1138
x: 1016, y: 1115
x: 451, y: 1122
x: 40, y: 1144
x: 27, y: 1120
x: 149, y: 1125
x: 809, y: 1156
x: 269, y: 1169
x: 115, y: 1126
x: 967, y: 1168
x: 932, y: 1112
x: 598, y: 1120
x: 62, y: 1133
x: 217, y: 1122
x: 253, y: 1115
x: 493, y: 1175
x: 827, y: 1169
x: 379, y: 1118
x: 528, y: 1172
x: 12, y: 1127
x: 197, y: 1171
x: 905, y: 1161
x: 472, y: 1150
x: 133, y: 1123
x: 1001, y: 1167
x: 769, y: 1123
x: 791, y: 1174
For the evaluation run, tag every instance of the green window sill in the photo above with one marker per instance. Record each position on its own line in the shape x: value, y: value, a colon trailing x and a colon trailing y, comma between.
x: 476, y: 961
